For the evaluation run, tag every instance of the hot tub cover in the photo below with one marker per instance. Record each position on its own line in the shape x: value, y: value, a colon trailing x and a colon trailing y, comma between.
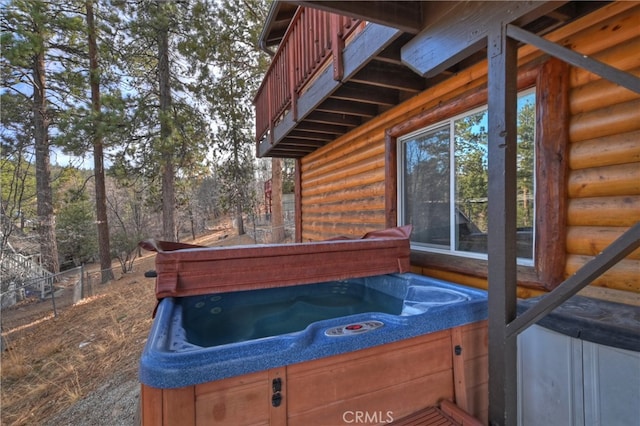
x: 187, y: 270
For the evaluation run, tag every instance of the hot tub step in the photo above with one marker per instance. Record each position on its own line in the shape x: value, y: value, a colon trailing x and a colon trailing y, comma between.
x: 448, y: 414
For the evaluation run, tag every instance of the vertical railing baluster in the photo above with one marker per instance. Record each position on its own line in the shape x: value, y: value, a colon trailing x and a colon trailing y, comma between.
x: 292, y: 84
x: 319, y: 41
x: 337, y: 44
x: 312, y: 36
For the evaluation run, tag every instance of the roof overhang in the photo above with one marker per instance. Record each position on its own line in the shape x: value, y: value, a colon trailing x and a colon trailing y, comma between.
x: 278, y: 20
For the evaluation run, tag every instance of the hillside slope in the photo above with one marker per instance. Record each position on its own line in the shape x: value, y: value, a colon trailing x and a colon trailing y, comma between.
x: 81, y: 367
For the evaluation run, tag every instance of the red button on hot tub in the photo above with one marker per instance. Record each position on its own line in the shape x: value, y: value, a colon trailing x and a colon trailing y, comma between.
x: 354, y: 327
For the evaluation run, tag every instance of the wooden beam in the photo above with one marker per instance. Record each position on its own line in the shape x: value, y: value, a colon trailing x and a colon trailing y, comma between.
x: 392, y: 53
x: 454, y: 33
x: 329, y: 118
x: 370, y: 42
x: 322, y: 128
x: 358, y: 109
x: 502, y: 119
x: 390, y: 76
x: 297, y: 188
x: 615, y: 252
x: 403, y: 15
x: 364, y: 93
x: 294, y: 148
x: 390, y: 180
x: 337, y: 46
x: 605, y: 71
x: 303, y: 142
x: 285, y: 154
x: 552, y: 153
x: 314, y: 136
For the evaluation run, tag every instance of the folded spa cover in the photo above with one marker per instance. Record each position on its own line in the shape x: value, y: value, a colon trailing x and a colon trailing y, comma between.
x: 187, y: 270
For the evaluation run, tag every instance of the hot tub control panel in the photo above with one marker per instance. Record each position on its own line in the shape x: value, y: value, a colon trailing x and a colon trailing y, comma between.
x: 350, y: 329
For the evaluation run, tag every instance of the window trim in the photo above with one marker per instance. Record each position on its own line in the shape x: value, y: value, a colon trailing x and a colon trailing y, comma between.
x: 450, y: 124
x: 551, y: 79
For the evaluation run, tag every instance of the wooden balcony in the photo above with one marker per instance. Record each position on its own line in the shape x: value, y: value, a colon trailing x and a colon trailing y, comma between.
x: 313, y: 40
x: 333, y: 73
x: 330, y: 74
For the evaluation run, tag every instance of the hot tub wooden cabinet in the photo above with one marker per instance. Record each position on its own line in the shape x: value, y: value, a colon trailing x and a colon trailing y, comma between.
x: 376, y: 385
x: 329, y: 333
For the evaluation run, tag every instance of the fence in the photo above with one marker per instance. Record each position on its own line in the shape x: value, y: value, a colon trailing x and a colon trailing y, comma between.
x: 23, y: 302
x: 260, y: 227
x: 265, y: 235
x: 27, y: 268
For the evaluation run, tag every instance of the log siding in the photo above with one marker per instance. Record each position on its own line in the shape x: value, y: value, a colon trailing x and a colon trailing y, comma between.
x: 346, y: 189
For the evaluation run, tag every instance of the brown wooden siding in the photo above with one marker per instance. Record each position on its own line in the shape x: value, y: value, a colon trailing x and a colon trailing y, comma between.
x: 396, y: 379
x: 405, y: 380
x: 343, y: 188
x: 471, y: 369
x: 604, y: 151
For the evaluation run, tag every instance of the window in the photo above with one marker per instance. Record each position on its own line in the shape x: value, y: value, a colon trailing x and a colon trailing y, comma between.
x: 443, y: 183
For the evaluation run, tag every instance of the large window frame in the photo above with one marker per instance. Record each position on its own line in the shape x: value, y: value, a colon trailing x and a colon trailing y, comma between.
x: 551, y: 82
x: 451, y: 227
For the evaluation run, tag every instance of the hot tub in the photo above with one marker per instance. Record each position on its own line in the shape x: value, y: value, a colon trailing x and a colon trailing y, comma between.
x: 337, y: 331
x: 380, y: 347
x: 199, y: 339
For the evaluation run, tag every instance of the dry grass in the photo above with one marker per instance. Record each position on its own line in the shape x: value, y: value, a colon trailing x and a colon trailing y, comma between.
x: 51, y: 364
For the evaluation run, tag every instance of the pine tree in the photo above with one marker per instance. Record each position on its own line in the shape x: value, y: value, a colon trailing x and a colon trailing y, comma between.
x: 168, y: 134
x: 17, y: 172
x: 104, y: 246
x: 36, y: 38
x: 229, y: 72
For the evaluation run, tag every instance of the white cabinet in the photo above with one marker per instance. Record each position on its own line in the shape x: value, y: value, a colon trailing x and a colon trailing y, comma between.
x: 611, y: 385
x: 565, y: 381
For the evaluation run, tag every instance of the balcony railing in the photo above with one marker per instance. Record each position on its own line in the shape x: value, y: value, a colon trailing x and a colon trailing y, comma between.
x: 313, y: 37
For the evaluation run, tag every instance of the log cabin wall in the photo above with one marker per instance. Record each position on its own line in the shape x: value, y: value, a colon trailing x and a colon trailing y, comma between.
x: 343, y: 183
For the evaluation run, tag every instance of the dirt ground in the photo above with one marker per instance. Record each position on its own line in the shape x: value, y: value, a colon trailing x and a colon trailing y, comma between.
x: 81, y: 367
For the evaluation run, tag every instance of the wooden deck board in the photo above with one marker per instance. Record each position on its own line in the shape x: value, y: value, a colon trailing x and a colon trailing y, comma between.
x: 430, y: 416
x: 448, y: 414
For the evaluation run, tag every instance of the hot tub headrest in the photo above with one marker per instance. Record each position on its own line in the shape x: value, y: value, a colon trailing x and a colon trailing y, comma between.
x: 187, y: 270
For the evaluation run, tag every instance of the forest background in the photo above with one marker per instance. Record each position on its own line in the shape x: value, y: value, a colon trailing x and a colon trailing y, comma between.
x: 150, y: 102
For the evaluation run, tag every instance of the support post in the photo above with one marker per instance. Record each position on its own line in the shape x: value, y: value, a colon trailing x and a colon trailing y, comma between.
x: 53, y: 296
x: 298, y: 200
x: 502, y: 110
x: 337, y: 45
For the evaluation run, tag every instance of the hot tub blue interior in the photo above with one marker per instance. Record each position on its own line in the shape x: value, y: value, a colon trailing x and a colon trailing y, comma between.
x: 198, y: 339
x: 220, y: 319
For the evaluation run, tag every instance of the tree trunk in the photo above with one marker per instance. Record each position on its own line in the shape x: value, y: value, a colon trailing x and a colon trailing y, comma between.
x: 239, y: 220
x: 168, y: 166
x: 98, y: 156
x: 192, y: 222
x: 168, y: 196
x: 277, y: 220
x: 237, y: 181
x: 46, y: 217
